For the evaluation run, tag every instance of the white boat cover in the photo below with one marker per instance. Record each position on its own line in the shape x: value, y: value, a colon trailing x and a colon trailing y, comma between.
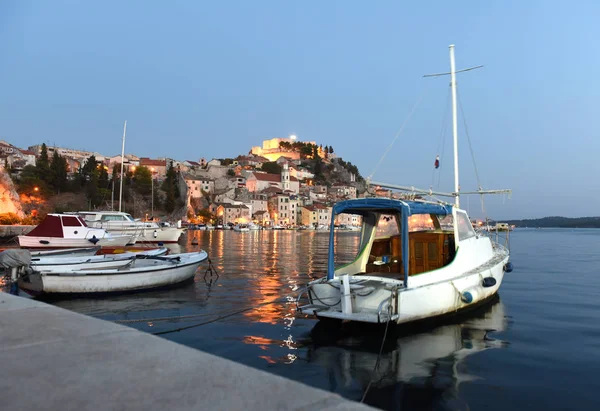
x: 15, y: 258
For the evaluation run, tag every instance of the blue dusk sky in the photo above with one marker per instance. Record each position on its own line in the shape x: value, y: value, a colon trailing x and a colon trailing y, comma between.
x: 212, y: 79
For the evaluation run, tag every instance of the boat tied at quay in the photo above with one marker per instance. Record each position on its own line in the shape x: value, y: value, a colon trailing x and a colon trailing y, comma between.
x: 70, y: 231
x: 417, y: 259
x: 110, y: 273
x: 118, y: 222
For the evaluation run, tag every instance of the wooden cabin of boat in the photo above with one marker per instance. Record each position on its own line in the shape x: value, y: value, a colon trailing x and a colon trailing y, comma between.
x: 400, y: 237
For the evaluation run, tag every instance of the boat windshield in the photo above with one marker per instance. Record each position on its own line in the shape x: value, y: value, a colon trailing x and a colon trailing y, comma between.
x: 430, y: 222
x: 387, y: 226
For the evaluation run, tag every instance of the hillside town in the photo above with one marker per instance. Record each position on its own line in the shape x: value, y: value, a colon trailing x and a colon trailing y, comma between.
x: 284, y: 183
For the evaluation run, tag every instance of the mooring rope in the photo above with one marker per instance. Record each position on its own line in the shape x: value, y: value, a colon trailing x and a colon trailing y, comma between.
x: 218, y: 317
x: 387, y: 324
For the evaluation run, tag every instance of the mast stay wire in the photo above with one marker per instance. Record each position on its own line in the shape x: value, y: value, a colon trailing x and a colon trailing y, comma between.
x: 442, y: 140
x: 423, y: 93
x: 479, y: 187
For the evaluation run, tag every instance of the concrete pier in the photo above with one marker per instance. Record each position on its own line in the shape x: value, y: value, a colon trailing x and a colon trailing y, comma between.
x: 8, y: 231
x: 54, y: 359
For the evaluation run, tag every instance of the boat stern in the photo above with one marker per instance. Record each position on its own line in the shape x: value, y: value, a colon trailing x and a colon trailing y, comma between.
x: 364, y: 299
x: 31, y: 283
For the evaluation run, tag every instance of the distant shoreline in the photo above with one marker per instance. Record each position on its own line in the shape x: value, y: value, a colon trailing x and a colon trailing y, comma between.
x: 557, y: 222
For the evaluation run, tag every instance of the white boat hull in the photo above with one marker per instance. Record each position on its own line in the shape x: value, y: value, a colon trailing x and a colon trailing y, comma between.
x: 370, y: 296
x: 57, y: 242
x: 141, y: 275
x: 163, y: 235
x: 148, y: 235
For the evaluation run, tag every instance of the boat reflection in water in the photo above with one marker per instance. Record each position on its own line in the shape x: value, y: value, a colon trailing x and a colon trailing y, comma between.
x: 421, y: 370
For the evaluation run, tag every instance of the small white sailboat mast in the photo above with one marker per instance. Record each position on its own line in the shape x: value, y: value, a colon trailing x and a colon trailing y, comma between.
x: 122, y: 161
x: 456, y: 193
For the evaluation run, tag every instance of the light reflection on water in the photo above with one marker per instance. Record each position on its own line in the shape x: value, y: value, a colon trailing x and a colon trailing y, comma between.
x: 459, y: 364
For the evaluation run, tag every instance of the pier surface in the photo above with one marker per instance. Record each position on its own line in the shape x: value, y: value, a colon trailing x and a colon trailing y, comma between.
x: 55, y: 359
x: 9, y: 231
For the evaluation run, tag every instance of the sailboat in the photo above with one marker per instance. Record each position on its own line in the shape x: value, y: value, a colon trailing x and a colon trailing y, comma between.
x: 416, y: 259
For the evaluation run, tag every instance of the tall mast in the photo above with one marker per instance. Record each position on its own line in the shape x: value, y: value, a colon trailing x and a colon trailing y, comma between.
x: 454, y: 125
x: 122, y: 161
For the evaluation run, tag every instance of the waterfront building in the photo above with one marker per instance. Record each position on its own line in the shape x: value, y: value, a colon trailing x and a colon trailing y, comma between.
x: 309, y: 216
x: 283, y: 210
x: 233, y: 213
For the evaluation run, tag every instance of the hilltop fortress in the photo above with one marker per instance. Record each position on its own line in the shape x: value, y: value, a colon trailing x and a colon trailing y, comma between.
x: 271, y: 150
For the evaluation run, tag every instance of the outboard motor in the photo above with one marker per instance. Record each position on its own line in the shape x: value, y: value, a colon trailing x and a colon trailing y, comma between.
x: 18, y: 261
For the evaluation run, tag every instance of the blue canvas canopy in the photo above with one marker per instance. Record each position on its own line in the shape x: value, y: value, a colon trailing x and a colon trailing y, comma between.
x: 364, y: 206
x: 406, y: 207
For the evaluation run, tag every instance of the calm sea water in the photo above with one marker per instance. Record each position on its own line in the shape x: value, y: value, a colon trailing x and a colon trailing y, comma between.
x: 537, y: 347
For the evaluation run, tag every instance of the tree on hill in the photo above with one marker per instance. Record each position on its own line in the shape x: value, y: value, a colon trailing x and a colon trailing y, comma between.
x: 88, y: 169
x: 142, y: 180
x: 43, y: 162
x: 315, y: 152
x: 58, y: 173
x: 306, y: 151
x: 171, y: 189
x: 42, y: 166
x: 271, y: 167
x: 29, y: 179
x: 285, y: 145
x: 226, y: 161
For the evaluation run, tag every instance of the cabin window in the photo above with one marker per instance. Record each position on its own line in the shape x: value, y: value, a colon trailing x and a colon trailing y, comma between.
x: 446, y: 222
x: 464, y: 227
x: 387, y: 226
x: 71, y: 222
x: 112, y: 218
x: 420, y: 222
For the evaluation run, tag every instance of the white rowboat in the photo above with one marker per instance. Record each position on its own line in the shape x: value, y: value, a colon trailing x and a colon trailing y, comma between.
x: 137, y: 275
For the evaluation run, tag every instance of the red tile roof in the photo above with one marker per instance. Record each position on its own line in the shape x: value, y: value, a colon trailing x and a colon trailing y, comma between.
x: 144, y: 161
x: 276, y: 178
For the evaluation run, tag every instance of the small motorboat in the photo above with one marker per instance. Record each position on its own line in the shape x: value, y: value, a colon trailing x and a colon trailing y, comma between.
x: 70, y: 231
x: 117, y: 222
x: 241, y: 228
x: 139, y: 274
